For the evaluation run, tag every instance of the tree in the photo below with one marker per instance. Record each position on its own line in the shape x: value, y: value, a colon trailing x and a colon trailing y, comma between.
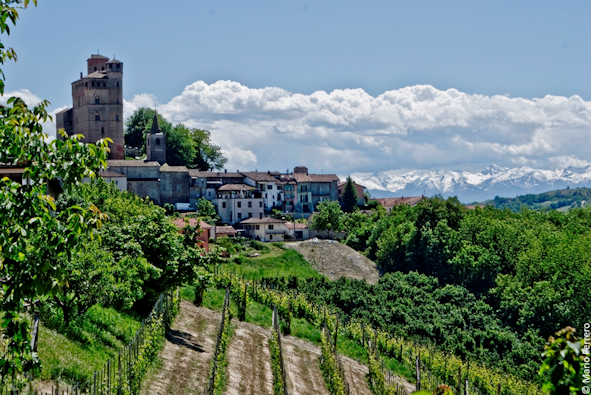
x: 349, y: 196
x: 329, y: 217
x: 29, y: 224
x: 139, y: 125
x: 184, y: 146
x: 208, y: 156
x: 206, y: 210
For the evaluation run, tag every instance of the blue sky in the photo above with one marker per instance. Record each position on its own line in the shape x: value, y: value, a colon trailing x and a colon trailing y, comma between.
x: 350, y: 52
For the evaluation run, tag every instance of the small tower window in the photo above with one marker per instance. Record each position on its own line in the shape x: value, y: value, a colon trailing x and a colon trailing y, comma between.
x: 95, y: 68
x: 105, y: 84
x: 92, y: 83
x: 97, y: 116
x: 117, y: 100
x: 118, y: 65
x: 97, y: 100
x: 117, y: 84
x: 157, y: 141
x: 102, y: 68
x: 86, y: 84
x: 103, y: 130
x: 117, y: 118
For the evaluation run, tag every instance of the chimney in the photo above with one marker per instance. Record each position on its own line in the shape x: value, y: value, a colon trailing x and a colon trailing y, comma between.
x: 225, y: 170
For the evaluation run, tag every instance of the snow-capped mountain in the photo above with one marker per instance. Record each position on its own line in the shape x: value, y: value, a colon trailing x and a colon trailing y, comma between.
x: 469, y: 187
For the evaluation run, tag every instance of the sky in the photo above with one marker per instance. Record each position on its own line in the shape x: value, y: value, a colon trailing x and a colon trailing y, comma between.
x: 338, y: 86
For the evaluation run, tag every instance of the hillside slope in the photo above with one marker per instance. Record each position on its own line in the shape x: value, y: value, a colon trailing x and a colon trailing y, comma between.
x: 335, y: 260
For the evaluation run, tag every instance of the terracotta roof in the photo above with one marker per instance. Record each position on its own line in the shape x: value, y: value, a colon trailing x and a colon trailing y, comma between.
x: 390, y: 202
x: 98, y: 56
x: 302, y: 177
x: 259, y: 176
x: 213, y: 174
x: 473, y: 206
x: 180, y: 223
x: 130, y: 163
x: 226, y: 230
x: 114, y: 61
x: 345, y: 183
x: 236, y: 187
x: 110, y: 174
x: 173, y: 169
x: 265, y: 220
x: 289, y: 225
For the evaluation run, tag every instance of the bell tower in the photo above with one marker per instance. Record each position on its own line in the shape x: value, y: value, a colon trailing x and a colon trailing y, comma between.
x: 156, y: 143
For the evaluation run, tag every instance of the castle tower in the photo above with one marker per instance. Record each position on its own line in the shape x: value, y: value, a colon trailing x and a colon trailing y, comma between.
x: 97, y: 110
x: 156, y: 143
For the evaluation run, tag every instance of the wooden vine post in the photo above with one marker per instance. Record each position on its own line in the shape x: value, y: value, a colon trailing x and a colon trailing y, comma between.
x: 418, y: 363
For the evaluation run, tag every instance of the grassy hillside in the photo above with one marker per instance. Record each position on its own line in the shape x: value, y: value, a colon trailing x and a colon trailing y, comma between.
x: 562, y: 200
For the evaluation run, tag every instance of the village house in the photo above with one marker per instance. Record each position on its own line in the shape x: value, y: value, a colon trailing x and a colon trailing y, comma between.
x: 264, y: 229
x: 389, y: 203
x: 235, y: 202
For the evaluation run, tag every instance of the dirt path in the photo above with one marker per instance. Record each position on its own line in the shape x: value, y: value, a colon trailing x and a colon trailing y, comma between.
x: 335, y: 260
x: 355, y: 374
x: 249, y: 361
x: 187, y: 353
x: 302, y: 367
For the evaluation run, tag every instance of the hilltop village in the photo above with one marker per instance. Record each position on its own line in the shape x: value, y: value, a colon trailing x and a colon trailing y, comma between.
x: 243, y: 199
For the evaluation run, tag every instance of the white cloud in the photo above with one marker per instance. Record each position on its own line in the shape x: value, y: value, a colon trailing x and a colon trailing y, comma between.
x: 348, y: 130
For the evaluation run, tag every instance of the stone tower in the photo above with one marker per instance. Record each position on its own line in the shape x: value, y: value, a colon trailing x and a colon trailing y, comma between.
x: 156, y: 143
x: 97, y: 110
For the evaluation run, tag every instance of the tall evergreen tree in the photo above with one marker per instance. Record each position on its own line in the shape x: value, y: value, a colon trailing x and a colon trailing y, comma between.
x: 349, y: 196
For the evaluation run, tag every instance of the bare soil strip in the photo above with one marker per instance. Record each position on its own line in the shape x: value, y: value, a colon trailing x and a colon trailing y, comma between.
x: 249, y: 361
x: 336, y: 260
x: 356, y: 376
x: 302, y: 366
x: 187, y: 353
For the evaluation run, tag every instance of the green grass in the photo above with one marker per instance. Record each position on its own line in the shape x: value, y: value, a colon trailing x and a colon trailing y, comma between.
x: 304, y: 330
x: 287, y: 263
x: 85, y: 347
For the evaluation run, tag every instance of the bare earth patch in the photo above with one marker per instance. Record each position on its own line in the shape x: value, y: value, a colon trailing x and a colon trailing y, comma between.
x: 336, y: 260
x: 249, y: 361
x: 356, y: 373
x: 187, y: 353
x: 302, y: 367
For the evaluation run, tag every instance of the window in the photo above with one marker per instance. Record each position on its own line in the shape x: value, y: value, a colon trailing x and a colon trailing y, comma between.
x: 249, y: 204
x: 223, y: 204
x: 257, y: 227
x: 97, y: 100
x: 209, y: 193
x: 270, y: 186
x: 104, y: 84
x: 265, y: 195
x: 86, y: 84
x: 102, y: 68
x: 270, y: 237
x: 117, y: 84
x: 95, y: 69
x: 92, y: 83
x: 270, y: 227
x: 239, y: 215
x: 261, y: 204
x: 103, y: 130
x: 117, y: 100
x: 260, y: 217
x: 157, y: 141
x: 249, y: 215
x: 239, y: 204
x: 118, y: 65
x: 117, y: 118
x: 97, y: 116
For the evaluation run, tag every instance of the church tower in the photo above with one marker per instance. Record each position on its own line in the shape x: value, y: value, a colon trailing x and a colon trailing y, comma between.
x: 97, y: 110
x: 156, y: 143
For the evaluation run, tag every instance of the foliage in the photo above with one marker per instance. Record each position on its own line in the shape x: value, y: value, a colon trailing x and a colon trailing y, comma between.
x: 349, y: 196
x: 138, y: 125
x: 329, y: 364
x: 329, y: 217
x: 28, y: 219
x: 220, y: 361
x: 566, y: 359
x: 184, y: 146
x: 562, y: 199
x: 206, y: 210
x: 275, y: 351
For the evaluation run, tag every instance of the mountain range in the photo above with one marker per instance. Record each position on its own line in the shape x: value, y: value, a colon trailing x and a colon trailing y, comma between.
x: 473, y: 187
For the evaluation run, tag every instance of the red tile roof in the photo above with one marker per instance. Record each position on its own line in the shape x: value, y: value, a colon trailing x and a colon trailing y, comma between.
x: 391, y: 202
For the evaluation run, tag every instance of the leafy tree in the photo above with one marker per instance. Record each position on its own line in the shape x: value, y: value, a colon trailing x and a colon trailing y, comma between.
x: 349, y: 196
x: 329, y: 217
x: 29, y: 224
x: 208, y: 156
x: 206, y: 210
x: 184, y: 146
x: 564, y: 363
x: 138, y: 126
x: 180, y: 147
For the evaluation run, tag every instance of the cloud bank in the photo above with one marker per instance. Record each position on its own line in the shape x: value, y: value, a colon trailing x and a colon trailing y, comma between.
x: 416, y: 127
